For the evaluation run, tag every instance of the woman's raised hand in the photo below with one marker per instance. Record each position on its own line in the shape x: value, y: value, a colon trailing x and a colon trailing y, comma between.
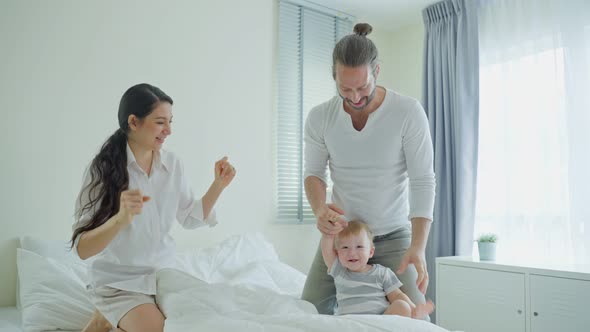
x: 224, y: 172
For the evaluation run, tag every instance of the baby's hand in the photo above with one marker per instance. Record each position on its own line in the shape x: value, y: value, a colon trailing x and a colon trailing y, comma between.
x: 421, y: 310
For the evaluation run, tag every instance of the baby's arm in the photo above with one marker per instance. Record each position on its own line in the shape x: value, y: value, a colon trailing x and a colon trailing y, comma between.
x: 328, y: 252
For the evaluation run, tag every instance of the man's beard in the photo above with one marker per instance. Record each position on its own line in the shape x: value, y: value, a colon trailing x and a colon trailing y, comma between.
x: 367, y: 99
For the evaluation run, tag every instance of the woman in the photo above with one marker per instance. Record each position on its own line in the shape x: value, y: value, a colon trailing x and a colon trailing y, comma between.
x: 132, y: 193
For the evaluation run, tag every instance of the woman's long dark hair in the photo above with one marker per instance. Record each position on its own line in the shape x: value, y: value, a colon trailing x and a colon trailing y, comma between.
x: 108, y: 170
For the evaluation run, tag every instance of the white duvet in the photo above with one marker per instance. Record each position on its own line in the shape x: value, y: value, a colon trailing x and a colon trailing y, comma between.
x: 238, y: 285
x: 191, y: 304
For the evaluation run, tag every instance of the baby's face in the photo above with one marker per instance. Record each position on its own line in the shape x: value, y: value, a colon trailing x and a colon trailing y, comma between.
x: 354, y: 251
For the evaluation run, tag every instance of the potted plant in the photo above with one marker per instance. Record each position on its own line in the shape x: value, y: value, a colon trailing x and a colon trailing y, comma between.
x: 486, y: 243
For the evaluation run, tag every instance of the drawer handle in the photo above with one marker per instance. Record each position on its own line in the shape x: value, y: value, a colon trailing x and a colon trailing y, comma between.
x: 536, y: 313
x: 519, y: 311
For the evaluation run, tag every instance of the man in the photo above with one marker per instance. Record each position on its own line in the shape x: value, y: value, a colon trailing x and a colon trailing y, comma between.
x: 378, y: 147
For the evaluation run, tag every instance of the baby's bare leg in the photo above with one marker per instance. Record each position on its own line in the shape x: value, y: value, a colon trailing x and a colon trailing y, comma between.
x: 97, y: 323
x: 400, y: 308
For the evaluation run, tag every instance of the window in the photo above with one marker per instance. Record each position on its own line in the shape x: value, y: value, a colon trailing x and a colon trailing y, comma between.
x: 533, y: 144
x: 307, y: 35
x: 522, y: 173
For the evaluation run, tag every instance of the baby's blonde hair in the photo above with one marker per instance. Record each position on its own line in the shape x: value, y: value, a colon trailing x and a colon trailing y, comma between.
x: 355, y: 228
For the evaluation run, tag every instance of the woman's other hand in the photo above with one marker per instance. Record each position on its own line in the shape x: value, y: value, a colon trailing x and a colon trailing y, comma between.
x: 131, y: 204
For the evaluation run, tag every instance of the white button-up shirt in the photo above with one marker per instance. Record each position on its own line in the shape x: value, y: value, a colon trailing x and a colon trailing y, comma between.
x: 130, y: 260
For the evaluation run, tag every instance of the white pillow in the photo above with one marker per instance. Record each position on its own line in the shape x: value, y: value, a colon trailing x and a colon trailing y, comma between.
x: 52, y: 293
x: 220, y: 262
x: 55, y: 249
x: 272, y: 275
x: 246, y: 259
x: 59, y: 250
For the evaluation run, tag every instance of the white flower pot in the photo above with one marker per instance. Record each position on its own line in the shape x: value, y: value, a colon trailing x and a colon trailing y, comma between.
x: 487, y: 251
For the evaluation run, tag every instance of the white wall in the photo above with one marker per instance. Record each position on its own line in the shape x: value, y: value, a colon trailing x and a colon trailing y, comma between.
x: 401, y: 54
x: 65, y: 64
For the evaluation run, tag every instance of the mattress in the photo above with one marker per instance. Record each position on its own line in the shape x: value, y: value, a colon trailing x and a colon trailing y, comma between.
x: 9, y: 319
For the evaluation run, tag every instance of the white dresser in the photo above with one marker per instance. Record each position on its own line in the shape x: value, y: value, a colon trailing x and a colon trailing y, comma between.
x: 509, y: 296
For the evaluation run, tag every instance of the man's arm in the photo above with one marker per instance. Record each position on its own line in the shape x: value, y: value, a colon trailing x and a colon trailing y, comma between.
x: 420, y: 231
x: 316, y: 160
x: 416, y: 253
x: 417, y: 146
x: 328, y: 216
x: 315, y: 190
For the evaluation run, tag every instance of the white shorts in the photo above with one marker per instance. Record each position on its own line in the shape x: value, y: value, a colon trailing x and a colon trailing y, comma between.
x: 114, y: 303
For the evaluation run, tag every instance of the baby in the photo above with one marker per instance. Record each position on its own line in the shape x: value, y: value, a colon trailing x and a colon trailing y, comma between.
x: 363, y: 288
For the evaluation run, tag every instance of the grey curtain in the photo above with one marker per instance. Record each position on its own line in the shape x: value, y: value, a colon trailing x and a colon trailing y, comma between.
x: 451, y: 101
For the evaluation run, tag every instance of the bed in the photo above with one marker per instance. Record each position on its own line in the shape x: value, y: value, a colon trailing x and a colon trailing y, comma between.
x: 238, y: 285
x: 10, y: 319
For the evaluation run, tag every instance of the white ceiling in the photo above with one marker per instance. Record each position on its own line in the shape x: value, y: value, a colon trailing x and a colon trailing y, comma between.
x: 385, y: 14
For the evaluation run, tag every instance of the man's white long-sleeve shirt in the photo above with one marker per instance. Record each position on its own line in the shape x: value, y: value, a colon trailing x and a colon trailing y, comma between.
x: 383, y: 174
x: 130, y: 260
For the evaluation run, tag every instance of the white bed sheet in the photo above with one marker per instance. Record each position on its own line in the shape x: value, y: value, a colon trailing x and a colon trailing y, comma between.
x: 191, y: 304
x: 9, y: 319
x: 240, y: 285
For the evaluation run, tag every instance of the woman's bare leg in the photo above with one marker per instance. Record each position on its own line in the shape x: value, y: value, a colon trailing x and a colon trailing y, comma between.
x: 97, y: 323
x: 143, y: 318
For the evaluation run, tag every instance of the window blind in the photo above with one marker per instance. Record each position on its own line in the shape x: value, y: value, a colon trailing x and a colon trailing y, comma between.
x: 307, y: 35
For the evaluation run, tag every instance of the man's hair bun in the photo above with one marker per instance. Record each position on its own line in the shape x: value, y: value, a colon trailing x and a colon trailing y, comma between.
x: 363, y: 29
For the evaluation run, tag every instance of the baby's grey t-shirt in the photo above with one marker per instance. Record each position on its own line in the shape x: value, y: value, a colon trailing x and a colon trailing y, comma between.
x: 363, y: 292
